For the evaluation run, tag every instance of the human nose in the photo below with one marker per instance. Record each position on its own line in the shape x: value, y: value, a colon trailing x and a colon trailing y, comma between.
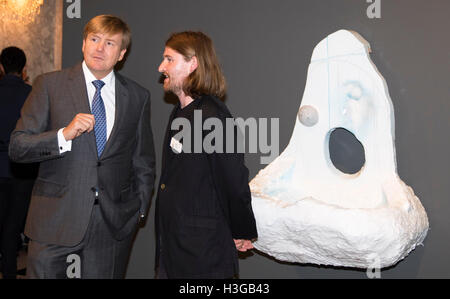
x: 100, y: 46
x: 162, y: 67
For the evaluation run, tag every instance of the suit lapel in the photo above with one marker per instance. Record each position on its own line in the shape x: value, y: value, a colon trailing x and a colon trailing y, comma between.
x: 165, y: 161
x: 79, y: 98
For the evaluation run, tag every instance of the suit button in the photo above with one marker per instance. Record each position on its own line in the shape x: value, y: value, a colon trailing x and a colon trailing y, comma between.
x: 163, y: 186
x: 99, y: 164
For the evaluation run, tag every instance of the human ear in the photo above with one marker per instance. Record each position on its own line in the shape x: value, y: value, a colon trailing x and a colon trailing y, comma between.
x: 122, y: 54
x: 194, y: 64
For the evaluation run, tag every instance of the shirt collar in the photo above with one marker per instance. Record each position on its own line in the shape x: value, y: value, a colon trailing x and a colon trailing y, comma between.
x: 109, y: 80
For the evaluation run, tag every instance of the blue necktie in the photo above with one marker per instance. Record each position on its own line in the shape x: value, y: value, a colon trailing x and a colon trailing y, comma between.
x: 98, y: 109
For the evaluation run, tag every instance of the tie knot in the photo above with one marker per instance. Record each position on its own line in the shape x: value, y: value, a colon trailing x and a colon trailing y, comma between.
x: 98, y: 84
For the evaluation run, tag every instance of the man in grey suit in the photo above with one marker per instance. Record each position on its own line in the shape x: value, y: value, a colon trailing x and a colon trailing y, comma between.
x: 90, y: 129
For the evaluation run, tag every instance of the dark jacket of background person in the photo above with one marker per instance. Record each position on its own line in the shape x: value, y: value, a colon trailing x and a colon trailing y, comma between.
x: 16, y: 180
x: 13, y: 93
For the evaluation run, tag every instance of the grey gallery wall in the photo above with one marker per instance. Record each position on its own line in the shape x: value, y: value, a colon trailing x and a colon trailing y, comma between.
x: 265, y: 47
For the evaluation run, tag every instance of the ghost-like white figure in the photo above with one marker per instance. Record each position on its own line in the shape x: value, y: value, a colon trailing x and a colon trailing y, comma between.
x: 306, y: 210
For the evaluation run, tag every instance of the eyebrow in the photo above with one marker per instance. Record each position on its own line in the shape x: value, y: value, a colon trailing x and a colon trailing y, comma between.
x: 107, y: 39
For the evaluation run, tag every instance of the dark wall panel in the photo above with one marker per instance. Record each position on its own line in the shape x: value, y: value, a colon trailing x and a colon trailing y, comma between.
x: 265, y: 47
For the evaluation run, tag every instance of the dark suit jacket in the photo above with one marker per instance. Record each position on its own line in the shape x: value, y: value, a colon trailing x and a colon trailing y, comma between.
x: 203, y: 203
x: 13, y: 93
x: 63, y: 195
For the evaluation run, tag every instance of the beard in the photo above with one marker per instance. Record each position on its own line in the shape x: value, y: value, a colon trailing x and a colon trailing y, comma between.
x: 174, y: 87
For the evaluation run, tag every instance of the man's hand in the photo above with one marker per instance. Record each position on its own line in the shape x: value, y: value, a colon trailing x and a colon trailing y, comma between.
x: 243, y: 245
x: 81, y: 123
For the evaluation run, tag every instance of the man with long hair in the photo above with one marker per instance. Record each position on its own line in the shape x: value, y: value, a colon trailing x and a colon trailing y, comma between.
x: 203, y: 211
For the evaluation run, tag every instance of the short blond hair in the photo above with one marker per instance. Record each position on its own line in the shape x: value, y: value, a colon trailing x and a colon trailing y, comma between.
x: 109, y: 24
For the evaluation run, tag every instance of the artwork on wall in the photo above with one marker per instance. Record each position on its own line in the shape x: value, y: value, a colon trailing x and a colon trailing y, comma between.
x: 306, y: 209
x: 41, y: 39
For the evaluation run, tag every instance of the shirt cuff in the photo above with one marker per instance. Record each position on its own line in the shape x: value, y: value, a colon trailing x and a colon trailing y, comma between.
x: 63, y: 145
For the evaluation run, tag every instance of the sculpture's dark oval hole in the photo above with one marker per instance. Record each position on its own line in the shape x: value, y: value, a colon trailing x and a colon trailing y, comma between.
x: 346, y: 152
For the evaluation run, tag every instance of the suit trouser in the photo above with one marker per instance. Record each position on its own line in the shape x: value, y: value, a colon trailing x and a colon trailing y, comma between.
x: 98, y: 255
x: 14, y: 201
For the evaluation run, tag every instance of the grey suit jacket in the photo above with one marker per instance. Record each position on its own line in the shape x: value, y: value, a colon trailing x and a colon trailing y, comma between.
x: 63, y: 195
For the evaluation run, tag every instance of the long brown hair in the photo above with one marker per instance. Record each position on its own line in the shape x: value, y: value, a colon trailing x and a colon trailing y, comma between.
x: 208, y: 78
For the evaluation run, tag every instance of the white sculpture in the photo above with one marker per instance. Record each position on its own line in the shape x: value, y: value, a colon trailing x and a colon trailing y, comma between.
x: 306, y: 210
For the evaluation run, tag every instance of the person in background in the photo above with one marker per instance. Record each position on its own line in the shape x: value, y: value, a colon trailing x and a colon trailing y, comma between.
x: 16, y: 180
x: 2, y: 72
x: 203, y: 210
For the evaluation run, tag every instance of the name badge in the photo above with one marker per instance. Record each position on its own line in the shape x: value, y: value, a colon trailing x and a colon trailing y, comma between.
x: 176, y: 146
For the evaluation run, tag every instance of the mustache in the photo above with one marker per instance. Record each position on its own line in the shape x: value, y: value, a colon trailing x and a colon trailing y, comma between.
x: 161, y: 78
